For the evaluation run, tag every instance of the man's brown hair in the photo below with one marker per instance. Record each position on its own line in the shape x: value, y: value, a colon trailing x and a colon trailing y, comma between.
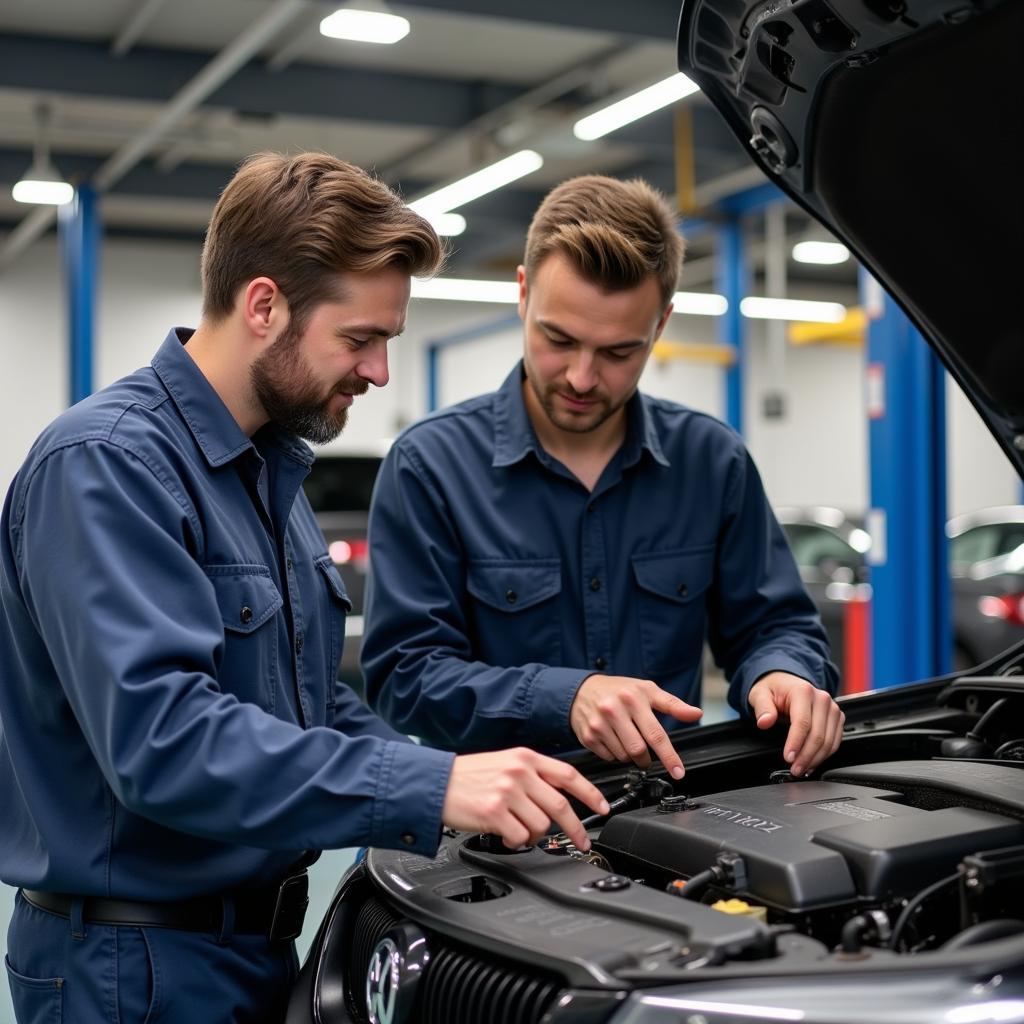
x: 302, y: 220
x: 615, y: 233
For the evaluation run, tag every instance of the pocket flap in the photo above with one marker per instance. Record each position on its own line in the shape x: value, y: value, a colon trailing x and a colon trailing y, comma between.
x: 246, y: 595
x: 513, y: 586
x: 677, y: 576
x: 334, y: 581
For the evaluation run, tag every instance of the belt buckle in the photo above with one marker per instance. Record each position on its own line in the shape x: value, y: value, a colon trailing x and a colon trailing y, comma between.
x: 289, y: 909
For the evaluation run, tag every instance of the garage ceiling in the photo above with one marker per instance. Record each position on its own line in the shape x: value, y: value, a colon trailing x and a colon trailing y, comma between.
x: 473, y: 81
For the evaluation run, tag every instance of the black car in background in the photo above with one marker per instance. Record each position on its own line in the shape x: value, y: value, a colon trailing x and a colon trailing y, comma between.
x: 339, y: 488
x: 986, y: 560
x: 888, y: 887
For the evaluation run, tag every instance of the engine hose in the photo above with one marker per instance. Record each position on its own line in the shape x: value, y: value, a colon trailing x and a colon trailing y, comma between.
x: 696, y: 886
x: 853, y: 933
x: 985, y: 931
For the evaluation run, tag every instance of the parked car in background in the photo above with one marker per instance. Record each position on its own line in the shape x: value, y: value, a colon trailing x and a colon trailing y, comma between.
x: 986, y: 561
x: 339, y: 487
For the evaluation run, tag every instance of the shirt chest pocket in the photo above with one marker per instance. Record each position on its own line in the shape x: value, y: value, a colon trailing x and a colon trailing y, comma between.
x: 248, y: 600
x: 514, y: 617
x: 671, y: 607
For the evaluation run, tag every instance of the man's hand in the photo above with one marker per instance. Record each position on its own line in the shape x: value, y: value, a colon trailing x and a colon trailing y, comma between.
x: 614, y: 717
x: 515, y: 794
x: 815, y: 721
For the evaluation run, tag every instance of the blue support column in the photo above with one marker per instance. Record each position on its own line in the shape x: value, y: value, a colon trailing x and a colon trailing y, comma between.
x: 910, y: 625
x: 730, y: 281
x: 79, y: 230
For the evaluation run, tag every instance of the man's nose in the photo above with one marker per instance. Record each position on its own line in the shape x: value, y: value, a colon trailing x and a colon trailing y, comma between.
x: 582, y: 373
x: 374, y: 366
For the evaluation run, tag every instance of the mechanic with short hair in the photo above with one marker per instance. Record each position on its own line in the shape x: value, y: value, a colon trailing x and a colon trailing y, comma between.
x: 547, y: 560
x: 173, y: 741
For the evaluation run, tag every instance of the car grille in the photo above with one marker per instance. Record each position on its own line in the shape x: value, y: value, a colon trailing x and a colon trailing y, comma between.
x: 460, y: 986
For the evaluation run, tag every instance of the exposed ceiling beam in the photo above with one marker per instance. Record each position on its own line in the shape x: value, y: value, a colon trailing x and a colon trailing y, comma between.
x: 130, y: 34
x: 312, y: 90
x: 212, y: 75
x: 646, y: 19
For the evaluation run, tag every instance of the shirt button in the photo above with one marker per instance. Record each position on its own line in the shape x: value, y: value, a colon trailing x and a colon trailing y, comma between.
x: 291, y: 565
x: 511, y: 596
x: 409, y: 839
x: 591, y: 506
x: 595, y: 584
x: 245, y: 615
x: 298, y: 643
x: 683, y: 589
x: 599, y: 662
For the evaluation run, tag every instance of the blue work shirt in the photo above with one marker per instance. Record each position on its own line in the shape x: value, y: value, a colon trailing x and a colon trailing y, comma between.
x: 171, y: 628
x: 499, y: 583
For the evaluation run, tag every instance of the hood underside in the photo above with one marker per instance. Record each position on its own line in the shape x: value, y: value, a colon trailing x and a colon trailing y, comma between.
x: 897, y: 124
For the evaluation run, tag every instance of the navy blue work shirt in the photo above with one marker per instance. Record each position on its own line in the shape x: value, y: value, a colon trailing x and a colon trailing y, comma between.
x: 169, y: 639
x: 499, y: 582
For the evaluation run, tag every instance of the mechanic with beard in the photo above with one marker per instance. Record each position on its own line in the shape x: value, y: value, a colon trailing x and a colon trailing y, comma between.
x: 547, y: 560
x: 172, y: 736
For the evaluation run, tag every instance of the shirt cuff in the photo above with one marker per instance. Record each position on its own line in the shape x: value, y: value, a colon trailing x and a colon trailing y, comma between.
x: 761, y: 665
x: 554, y: 690
x: 411, y: 788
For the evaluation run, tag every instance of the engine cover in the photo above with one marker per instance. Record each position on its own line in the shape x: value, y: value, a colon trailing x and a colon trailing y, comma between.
x: 810, y: 845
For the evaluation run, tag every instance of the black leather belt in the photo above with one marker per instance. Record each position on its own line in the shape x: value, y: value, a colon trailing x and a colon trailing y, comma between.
x: 276, y: 912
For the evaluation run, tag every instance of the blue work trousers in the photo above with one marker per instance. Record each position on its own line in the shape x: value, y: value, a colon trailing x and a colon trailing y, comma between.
x: 68, y: 972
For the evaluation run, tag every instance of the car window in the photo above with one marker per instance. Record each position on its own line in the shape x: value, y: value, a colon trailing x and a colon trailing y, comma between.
x: 1011, y: 539
x: 817, y: 547
x: 975, y: 545
x: 342, y: 483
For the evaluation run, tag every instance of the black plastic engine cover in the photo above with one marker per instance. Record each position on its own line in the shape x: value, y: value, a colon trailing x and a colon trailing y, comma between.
x: 809, y: 845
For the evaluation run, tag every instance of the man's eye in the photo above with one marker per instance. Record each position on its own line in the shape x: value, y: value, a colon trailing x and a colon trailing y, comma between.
x: 618, y: 356
x: 559, y: 342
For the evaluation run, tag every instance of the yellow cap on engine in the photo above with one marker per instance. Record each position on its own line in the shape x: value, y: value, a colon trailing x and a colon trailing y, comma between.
x: 735, y: 906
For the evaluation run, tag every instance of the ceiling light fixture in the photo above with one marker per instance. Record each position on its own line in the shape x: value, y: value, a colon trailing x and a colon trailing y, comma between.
x: 465, y: 290
x: 362, y: 25
x: 699, y: 303
x: 448, y: 225
x: 759, y: 308
x: 633, y: 107
x: 42, y: 183
x: 820, y: 252
x: 479, y: 183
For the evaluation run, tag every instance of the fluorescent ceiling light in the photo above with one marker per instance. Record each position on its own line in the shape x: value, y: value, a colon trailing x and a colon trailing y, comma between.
x: 42, y: 183
x: 820, y: 252
x: 640, y: 104
x: 460, y: 192
x: 759, y: 308
x: 365, y: 26
x: 465, y: 290
x: 44, y: 191
x: 447, y: 224
x: 699, y: 303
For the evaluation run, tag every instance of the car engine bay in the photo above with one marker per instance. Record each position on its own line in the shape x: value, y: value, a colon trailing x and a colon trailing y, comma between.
x: 907, y: 851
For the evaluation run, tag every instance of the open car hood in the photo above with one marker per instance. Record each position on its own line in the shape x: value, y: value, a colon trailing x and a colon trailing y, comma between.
x: 897, y: 124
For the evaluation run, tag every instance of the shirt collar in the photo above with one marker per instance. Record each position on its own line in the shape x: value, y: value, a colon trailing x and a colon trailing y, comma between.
x: 514, y: 436
x: 215, y: 430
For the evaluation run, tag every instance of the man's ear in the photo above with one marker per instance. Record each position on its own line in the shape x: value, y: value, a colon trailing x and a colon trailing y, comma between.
x: 662, y: 321
x: 521, y: 281
x: 264, y: 308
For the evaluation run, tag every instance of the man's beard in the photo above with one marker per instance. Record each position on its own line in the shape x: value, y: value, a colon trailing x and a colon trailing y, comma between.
x: 285, y: 386
x: 579, y: 423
